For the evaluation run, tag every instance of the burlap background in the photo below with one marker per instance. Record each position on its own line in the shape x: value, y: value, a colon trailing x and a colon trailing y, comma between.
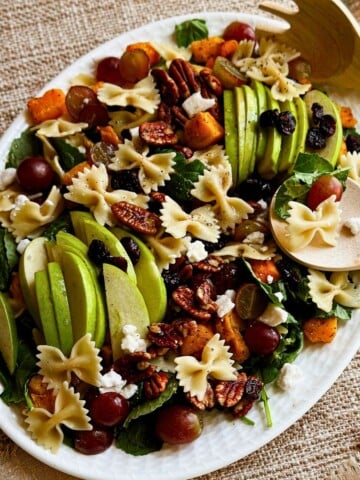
x: 38, y: 38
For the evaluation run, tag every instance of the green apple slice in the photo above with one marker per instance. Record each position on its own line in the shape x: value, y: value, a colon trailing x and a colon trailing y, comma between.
x: 32, y: 260
x: 8, y: 339
x: 46, y: 308
x: 60, y: 301
x: 88, y: 229
x: 241, y: 124
x: 81, y: 294
x: 250, y: 127
x: 125, y: 304
x: 332, y: 149
x: 268, y: 165
x: 149, y: 279
x: 289, y: 142
x: 231, y: 132
x: 260, y: 92
x: 303, y: 125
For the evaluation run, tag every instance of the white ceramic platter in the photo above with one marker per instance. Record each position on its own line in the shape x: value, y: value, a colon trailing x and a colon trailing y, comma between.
x: 224, y: 439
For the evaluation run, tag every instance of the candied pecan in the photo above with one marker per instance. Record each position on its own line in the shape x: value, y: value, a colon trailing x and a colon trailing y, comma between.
x: 159, y: 197
x: 185, y: 326
x: 203, y: 295
x: 185, y: 298
x: 207, y: 402
x: 164, y: 335
x: 211, y: 264
x: 184, y: 76
x: 134, y: 367
x: 155, y: 385
x: 157, y: 133
x: 228, y: 393
x: 169, y: 91
x: 137, y: 218
x: 243, y: 407
x: 186, y: 151
x: 212, y: 83
x: 164, y: 113
x: 179, y: 116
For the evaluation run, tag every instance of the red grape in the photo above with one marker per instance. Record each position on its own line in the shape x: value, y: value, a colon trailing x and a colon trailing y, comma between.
x: 239, y: 31
x: 35, y: 175
x: 178, y: 424
x: 325, y: 186
x: 79, y: 97
x: 109, y: 409
x: 134, y: 66
x: 91, y: 442
x: 261, y: 338
x: 94, y: 115
x: 108, y: 70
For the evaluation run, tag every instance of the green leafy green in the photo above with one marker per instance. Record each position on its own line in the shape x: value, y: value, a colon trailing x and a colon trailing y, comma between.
x: 61, y: 223
x: 68, y: 154
x: 27, y: 145
x: 8, y: 258
x: 307, y: 169
x: 139, y: 438
x: 276, y: 291
x: 190, y: 30
x: 150, y: 406
x: 182, y: 180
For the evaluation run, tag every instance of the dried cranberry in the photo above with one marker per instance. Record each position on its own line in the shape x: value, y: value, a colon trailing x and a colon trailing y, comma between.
x: 327, y: 125
x: 126, y: 180
x: 315, y: 139
x: 228, y: 278
x: 98, y: 252
x: 285, y: 123
x: 255, y: 188
x: 269, y: 118
x: 119, y: 262
x: 132, y: 249
x: 317, y: 112
x: 353, y: 143
x: 171, y: 278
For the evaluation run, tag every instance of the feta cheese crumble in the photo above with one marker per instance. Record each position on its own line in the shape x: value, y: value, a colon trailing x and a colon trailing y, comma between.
x: 7, y: 177
x: 353, y: 224
x: 196, y: 103
x: 113, y: 382
x: 196, y: 251
x: 225, y: 302
x: 273, y: 315
x: 289, y: 376
x: 132, y: 342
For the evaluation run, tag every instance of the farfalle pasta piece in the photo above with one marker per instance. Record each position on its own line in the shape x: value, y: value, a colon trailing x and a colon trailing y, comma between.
x: 200, y: 223
x: 167, y: 249
x: 211, y: 156
x: 338, y: 288
x: 154, y: 170
x: 51, y: 155
x: 90, y: 188
x: 215, y: 362
x: 45, y: 426
x: 59, y: 128
x: 27, y: 218
x: 84, y: 361
x: 245, y: 250
x: 285, y: 88
x: 305, y: 224
x: 169, y: 51
x: 351, y: 160
x: 212, y: 187
x: 124, y: 120
x: 245, y: 49
x: 143, y: 95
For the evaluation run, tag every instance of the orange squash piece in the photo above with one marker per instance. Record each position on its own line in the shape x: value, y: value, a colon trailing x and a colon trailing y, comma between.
x: 320, y: 330
x: 205, y: 48
x: 347, y: 118
x: 202, y: 131
x: 265, y: 270
x: 49, y: 106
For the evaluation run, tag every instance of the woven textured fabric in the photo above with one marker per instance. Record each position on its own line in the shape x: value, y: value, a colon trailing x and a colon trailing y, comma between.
x: 38, y: 40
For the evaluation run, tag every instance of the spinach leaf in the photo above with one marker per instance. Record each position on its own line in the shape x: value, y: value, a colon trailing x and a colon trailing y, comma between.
x: 190, y: 30
x: 139, y: 438
x: 27, y: 145
x: 61, y: 223
x: 8, y: 258
x: 69, y: 155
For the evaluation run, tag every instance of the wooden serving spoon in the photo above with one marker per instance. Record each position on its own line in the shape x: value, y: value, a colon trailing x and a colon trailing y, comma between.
x: 344, y: 256
x: 327, y: 35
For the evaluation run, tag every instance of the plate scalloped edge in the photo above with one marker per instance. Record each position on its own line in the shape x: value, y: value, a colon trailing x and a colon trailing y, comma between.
x: 237, y: 440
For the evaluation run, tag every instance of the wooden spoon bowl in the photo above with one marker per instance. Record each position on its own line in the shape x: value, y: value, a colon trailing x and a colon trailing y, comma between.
x: 327, y: 35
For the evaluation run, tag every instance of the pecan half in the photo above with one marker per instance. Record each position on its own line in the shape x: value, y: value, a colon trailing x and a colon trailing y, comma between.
x: 164, y: 335
x: 203, y: 295
x: 184, y: 76
x: 155, y: 385
x: 228, y: 393
x: 134, y: 367
x: 252, y: 391
x: 137, y: 218
x: 185, y: 298
x: 157, y: 133
x: 211, y: 264
x: 169, y: 91
x: 207, y: 402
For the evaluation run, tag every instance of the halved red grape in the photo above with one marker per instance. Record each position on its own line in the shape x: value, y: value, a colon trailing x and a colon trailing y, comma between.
x: 77, y: 98
x: 108, y: 70
x: 134, y: 66
x: 261, y: 338
x: 35, y: 175
x: 325, y: 186
x: 109, y: 409
x: 239, y: 31
x: 94, y: 115
x: 91, y: 442
x: 178, y: 424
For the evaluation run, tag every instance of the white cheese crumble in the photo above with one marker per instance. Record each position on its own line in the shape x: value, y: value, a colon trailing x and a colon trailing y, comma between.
x: 279, y: 296
x: 196, y: 251
x: 289, y: 376
x: 255, y: 237
x: 262, y: 204
x: 225, y: 302
x: 132, y: 342
x: 353, y: 224
x: 273, y: 315
x: 196, y: 103
x: 113, y: 382
x: 21, y: 246
x: 7, y: 177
